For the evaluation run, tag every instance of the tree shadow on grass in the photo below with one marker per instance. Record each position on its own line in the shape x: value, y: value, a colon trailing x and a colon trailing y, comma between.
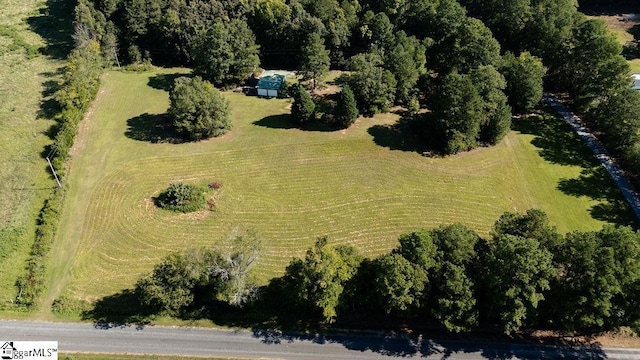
x: 631, y: 50
x: 165, y: 81
x: 54, y: 24
x: 284, y: 121
x: 558, y: 144
x: 153, y: 128
x: 596, y: 183
x: 49, y: 106
x: 556, y: 141
x: 118, y: 310
x: 407, y: 134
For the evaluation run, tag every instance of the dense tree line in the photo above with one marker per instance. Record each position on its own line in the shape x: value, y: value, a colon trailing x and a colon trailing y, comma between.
x: 386, y: 45
x: 583, y: 59
x: 406, y: 52
x: 526, y: 275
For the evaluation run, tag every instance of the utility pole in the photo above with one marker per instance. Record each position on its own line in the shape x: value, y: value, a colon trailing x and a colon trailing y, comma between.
x: 54, y: 172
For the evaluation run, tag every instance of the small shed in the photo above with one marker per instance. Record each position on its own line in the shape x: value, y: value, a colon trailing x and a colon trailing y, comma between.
x: 269, y: 85
x: 636, y: 82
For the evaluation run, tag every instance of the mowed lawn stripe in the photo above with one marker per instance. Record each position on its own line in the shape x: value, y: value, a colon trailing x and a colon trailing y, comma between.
x: 289, y: 185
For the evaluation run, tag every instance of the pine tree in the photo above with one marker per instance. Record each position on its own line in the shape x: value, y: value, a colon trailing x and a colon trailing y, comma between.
x: 303, y: 107
x: 346, y: 109
x: 315, y: 58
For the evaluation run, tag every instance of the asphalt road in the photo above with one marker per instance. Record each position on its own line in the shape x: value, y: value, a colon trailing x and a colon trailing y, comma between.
x: 74, y: 337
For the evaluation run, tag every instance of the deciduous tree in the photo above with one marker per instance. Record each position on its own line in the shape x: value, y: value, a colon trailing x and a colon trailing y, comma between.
x: 524, y: 75
x: 496, y: 113
x: 226, y: 53
x: 373, y: 86
x: 516, y: 271
x: 398, y: 284
x: 458, y: 111
x: 452, y: 297
x: 317, y: 281
x: 198, y: 110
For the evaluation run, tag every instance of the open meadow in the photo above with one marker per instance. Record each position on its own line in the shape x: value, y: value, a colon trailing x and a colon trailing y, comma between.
x: 292, y: 185
x: 32, y: 49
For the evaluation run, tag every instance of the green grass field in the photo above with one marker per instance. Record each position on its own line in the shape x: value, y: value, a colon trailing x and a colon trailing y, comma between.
x: 292, y: 186
x: 28, y: 71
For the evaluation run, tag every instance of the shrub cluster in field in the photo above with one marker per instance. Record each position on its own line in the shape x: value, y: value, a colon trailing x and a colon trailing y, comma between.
x: 526, y: 276
x: 182, y: 197
x: 79, y: 87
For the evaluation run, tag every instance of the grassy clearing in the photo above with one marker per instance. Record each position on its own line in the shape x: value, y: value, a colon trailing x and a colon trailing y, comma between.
x: 27, y: 77
x: 291, y: 186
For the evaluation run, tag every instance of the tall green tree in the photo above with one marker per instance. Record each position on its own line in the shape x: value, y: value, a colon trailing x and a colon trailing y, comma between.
x: 516, y: 272
x: 198, y: 110
x: 618, y: 118
x: 506, y: 19
x: 496, y: 121
x: 452, y: 297
x: 599, y: 280
x: 534, y: 224
x: 373, y: 86
x: 594, y: 67
x: 303, y: 107
x: 458, y: 112
x: 398, y: 285
x: 336, y: 17
x: 406, y: 61
x: 418, y: 248
x: 314, y: 60
x: 376, y: 32
x: 470, y: 44
x: 346, y: 111
x: 524, y: 75
x: 226, y: 53
x: 317, y: 281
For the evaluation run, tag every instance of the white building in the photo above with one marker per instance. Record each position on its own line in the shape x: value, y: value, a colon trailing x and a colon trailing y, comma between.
x: 636, y: 82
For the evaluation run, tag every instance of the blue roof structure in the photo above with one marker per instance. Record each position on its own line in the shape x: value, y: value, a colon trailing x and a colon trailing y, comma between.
x: 271, y: 82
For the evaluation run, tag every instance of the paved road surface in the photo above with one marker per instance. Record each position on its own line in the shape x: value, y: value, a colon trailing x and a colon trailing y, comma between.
x: 73, y: 337
x: 600, y: 153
